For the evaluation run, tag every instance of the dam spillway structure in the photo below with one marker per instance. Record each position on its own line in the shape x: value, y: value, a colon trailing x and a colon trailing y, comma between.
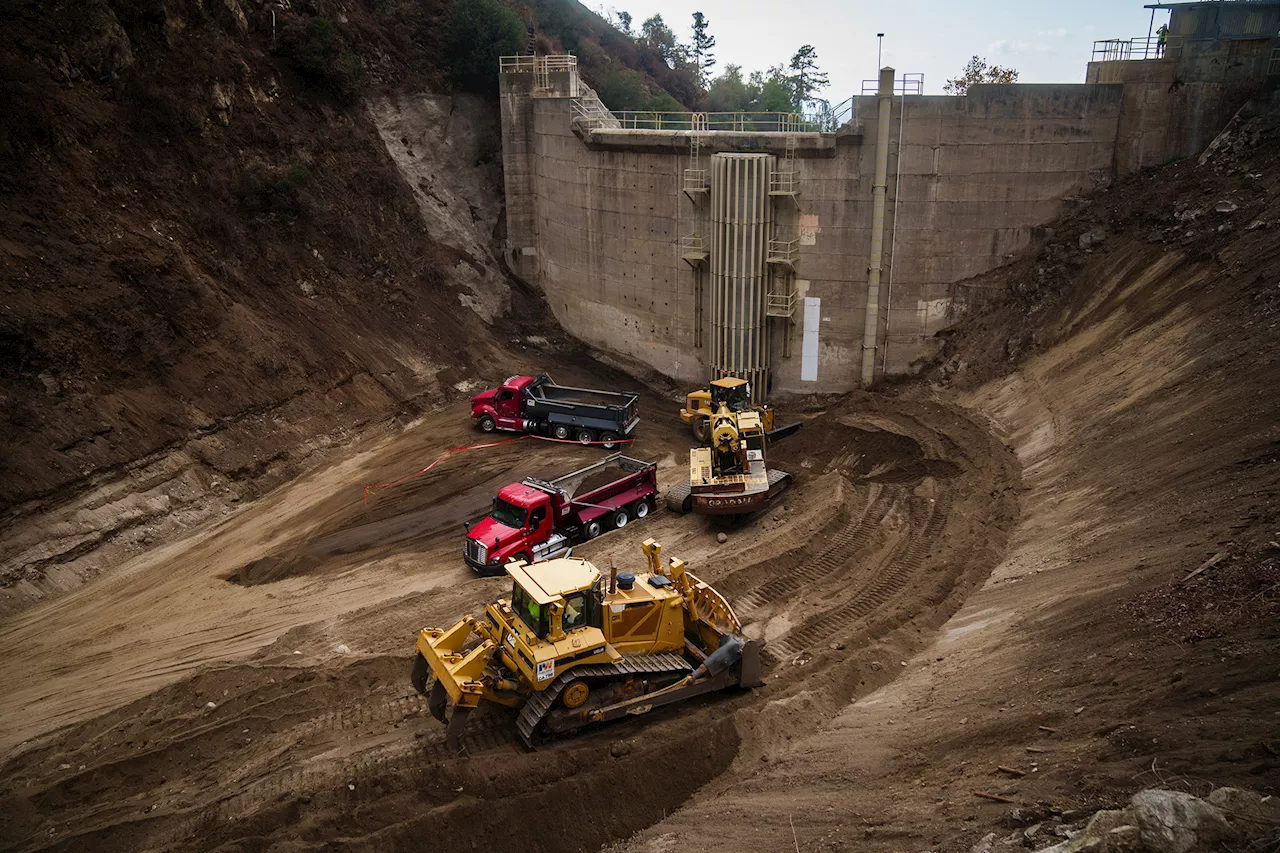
x: 741, y: 221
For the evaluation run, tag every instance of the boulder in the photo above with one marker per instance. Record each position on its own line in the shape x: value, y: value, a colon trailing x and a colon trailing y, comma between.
x: 1175, y: 822
x: 1248, y: 812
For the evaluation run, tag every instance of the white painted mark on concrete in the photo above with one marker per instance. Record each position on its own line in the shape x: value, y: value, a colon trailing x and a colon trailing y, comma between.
x: 809, y: 349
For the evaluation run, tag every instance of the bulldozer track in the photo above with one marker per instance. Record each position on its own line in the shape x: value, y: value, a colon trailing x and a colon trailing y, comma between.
x: 854, y: 536
x: 351, y: 717
x: 886, y: 585
x: 537, y: 708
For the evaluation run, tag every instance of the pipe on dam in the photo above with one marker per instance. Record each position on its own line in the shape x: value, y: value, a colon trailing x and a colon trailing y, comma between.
x: 741, y: 222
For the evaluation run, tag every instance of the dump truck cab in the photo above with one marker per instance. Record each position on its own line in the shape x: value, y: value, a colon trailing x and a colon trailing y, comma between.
x: 520, y: 525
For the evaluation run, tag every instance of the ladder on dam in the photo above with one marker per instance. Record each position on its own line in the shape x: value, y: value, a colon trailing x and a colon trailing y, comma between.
x: 696, y: 186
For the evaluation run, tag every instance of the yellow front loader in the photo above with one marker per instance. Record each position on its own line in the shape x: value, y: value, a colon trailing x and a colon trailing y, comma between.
x: 570, y: 649
x: 700, y: 407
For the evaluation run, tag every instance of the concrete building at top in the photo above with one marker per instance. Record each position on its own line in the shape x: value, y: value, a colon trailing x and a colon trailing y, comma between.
x: 821, y: 253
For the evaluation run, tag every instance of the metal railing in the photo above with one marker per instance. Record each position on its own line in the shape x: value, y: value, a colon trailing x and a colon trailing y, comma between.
x: 535, y: 64
x: 1143, y: 47
x: 590, y: 111
x: 780, y: 304
x: 693, y: 244
x: 701, y: 122
x: 696, y: 180
x: 783, y: 182
x: 784, y: 250
x: 908, y: 84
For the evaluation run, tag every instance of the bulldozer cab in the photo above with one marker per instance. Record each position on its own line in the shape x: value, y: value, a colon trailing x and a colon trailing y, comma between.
x: 556, y: 597
x: 732, y: 392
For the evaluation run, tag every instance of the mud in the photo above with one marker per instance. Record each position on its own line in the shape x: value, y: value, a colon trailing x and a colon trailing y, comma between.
x: 898, y: 510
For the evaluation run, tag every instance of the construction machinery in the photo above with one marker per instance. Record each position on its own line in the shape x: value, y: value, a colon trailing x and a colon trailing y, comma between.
x: 536, y: 519
x: 538, y: 406
x: 701, y: 405
x: 729, y: 477
x: 570, y: 650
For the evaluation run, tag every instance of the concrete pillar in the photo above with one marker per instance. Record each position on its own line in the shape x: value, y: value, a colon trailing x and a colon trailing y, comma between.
x: 879, y: 188
x: 741, y: 221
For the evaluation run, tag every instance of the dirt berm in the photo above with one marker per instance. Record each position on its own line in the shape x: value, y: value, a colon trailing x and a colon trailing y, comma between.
x: 1055, y: 553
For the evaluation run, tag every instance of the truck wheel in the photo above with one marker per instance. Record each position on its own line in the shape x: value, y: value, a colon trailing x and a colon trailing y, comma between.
x: 562, y: 432
x: 487, y: 424
x: 586, y: 436
x: 640, y: 509
x: 593, y: 529
x: 609, y: 440
x: 620, y: 519
x: 702, y: 429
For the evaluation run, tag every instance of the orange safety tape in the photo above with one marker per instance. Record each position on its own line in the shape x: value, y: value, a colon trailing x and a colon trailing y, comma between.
x: 373, y: 487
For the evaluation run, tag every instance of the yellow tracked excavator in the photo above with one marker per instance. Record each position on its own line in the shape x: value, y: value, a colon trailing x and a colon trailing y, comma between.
x: 571, y: 650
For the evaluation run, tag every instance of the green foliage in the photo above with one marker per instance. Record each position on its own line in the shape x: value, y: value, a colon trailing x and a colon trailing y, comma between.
x: 621, y: 88
x: 624, y: 24
x: 772, y: 94
x: 658, y: 36
x: 978, y: 71
x: 480, y: 33
x: 317, y: 52
x: 703, y: 59
x: 662, y: 103
x: 729, y: 93
x: 806, y: 78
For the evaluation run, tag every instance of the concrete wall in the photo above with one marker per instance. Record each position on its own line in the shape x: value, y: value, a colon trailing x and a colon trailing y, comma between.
x: 1173, y: 107
x: 977, y: 175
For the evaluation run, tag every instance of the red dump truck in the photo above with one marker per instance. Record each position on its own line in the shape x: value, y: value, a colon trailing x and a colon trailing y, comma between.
x: 536, y: 519
x: 541, y: 407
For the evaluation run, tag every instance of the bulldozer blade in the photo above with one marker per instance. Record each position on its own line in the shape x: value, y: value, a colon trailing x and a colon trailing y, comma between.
x: 784, y: 430
x: 453, y: 731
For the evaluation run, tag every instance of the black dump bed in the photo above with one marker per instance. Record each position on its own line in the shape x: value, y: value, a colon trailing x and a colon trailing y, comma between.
x: 614, y: 411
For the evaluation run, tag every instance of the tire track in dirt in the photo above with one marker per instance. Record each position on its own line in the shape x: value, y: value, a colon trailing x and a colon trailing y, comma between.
x: 851, y: 539
x: 903, y: 565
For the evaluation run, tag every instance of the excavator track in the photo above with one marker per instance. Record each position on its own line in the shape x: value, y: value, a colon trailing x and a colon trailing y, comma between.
x: 537, y: 708
x: 680, y: 498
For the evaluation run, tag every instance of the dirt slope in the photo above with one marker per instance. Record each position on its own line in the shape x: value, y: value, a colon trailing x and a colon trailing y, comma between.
x: 1137, y: 383
x: 212, y: 267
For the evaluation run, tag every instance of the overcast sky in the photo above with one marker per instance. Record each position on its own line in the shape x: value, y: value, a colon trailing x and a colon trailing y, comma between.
x: 1046, y: 42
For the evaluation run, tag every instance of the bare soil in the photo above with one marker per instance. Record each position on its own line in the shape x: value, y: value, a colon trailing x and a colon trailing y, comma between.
x: 1056, y: 553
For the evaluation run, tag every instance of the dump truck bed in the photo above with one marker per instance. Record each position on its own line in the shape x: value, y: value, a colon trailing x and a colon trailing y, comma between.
x: 613, y: 411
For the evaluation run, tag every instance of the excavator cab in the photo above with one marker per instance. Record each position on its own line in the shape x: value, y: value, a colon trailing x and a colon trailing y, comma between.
x: 732, y: 392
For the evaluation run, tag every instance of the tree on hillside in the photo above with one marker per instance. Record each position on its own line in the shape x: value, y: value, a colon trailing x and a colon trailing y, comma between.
x: 772, y: 92
x: 624, y: 24
x: 703, y: 42
x: 806, y: 78
x: 729, y: 93
x: 978, y: 71
x: 658, y: 36
x: 481, y: 31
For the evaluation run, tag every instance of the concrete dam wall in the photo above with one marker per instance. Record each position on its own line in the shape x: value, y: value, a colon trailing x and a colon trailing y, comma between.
x: 619, y: 226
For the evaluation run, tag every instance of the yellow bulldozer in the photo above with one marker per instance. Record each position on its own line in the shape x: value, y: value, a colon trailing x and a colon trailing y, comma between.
x: 734, y: 393
x: 730, y: 478
x: 570, y: 650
